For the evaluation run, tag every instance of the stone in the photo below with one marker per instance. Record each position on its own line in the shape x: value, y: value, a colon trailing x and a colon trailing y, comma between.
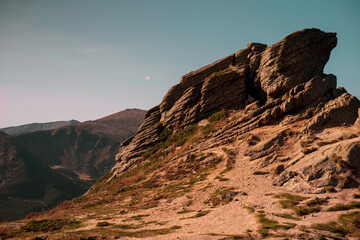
x: 256, y: 47
x: 133, y: 149
x: 194, y: 78
x: 337, y: 112
x: 203, y: 123
x: 350, y: 153
x: 279, y: 169
x: 294, y: 60
x: 357, y: 122
x: 226, y: 89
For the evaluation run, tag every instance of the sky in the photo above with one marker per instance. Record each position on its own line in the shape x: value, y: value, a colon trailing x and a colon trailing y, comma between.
x: 85, y: 59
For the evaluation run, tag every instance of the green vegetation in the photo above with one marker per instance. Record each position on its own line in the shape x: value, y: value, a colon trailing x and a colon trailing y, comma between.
x: 291, y: 202
x: 250, y: 209
x: 49, y: 225
x: 168, y: 138
x: 221, y: 196
x: 222, y: 179
x: 185, y: 211
x: 200, y: 214
x: 287, y: 216
x: 349, y: 223
x: 128, y: 226
x: 342, y: 207
x: 139, y: 217
x: 331, y: 227
x: 267, y: 224
x: 103, y: 224
x: 138, y: 234
x: 218, y: 115
x: 207, y: 129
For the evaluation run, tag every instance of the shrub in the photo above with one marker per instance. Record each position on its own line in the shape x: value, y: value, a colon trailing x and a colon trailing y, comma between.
x: 342, y: 207
x: 331, y: 227
x: 103, y: 224
x: 218, y: 115
x: 47, y: 225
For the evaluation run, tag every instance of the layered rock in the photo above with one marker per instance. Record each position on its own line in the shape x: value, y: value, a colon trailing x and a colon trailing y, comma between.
x: 295, y: 60
x: 279, y: 84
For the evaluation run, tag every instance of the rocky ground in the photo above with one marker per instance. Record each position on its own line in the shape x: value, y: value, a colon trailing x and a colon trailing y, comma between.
x: 260, y: 144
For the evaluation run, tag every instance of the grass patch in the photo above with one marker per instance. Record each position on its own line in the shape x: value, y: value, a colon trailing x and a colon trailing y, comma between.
x: 103, y: 224
x: 137, y: 234
x: 207, y: 129
x: 168, y: 138
x: 287, y: 216
x: 139, y: 217
x: 250, y: 209
x: 200, y: 214
x: 218, y: 115
x: 349, y: 223
x: 222, y: 196
x: 291, y: 201
x: 352, y: 222
x: 222, y: 179
x: 49, y: 225
x: 333, y: 227
x: 343, y: 207
x: 185, y: 211
x: 268, y: 224
x: 128, y: 226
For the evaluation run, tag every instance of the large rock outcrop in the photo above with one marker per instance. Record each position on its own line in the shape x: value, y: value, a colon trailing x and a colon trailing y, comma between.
x: 279, y: 84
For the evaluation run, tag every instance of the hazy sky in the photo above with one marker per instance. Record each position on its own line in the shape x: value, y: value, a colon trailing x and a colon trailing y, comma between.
x: 74, y: 59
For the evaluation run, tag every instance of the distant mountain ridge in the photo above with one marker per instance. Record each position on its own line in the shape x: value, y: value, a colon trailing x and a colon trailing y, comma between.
x: 85, y: 151
x: 33, y: 127
x: 40, y: 169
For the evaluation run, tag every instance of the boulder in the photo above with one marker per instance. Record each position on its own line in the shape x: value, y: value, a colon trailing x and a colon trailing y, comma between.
x: 337, y: 112
x: 294, y: 60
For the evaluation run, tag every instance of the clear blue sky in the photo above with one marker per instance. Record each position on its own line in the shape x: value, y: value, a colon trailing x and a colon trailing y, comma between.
x: 83, y: 59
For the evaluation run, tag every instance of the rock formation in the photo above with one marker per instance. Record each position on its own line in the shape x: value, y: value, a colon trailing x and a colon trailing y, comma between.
x: 279, y: 84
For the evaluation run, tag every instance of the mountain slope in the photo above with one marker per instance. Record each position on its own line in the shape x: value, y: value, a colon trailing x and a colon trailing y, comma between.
x: 33, y: 127
x: 259, y: 144
x: 27, y: 184
x: 83, y: 152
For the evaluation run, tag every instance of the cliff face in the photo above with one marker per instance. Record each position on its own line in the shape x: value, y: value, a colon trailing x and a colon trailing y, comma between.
x: 279, y: 84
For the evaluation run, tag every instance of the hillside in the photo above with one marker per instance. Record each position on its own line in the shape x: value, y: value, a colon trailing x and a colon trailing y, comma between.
x: 28, y: 185
x: 34, y: 127
x: 83, y: 152
x: 43, y: 168
x: 259, y: 144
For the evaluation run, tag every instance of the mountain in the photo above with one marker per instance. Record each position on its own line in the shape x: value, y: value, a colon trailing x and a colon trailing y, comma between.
x: 83, y: 152
x: 28, y: 185
x: 38, y: 170
x: 259, y: 144
x: 33, y: 127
